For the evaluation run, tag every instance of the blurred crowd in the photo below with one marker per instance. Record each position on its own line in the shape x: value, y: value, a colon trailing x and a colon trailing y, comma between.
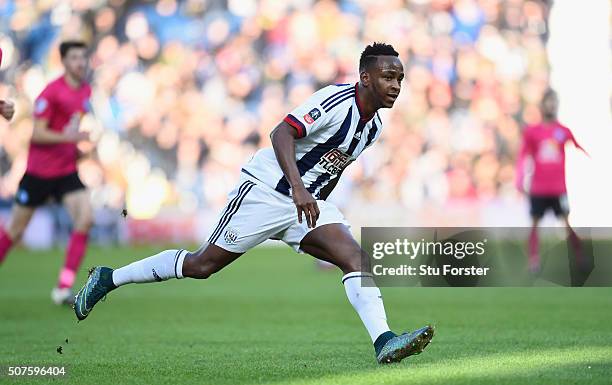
x: 186, y: 91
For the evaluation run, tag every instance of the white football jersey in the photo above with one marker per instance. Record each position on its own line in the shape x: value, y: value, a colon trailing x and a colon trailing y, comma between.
x: 332, y: 134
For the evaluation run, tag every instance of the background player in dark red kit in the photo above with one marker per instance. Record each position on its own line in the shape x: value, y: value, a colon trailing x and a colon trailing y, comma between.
x: 52, y: 164
x: 7, y: 108
x: 541, y: 173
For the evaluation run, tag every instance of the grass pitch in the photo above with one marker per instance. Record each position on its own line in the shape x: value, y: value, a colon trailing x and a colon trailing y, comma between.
x: 272, y: 318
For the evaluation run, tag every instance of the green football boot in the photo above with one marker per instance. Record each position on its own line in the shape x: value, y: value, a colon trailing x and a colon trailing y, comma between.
x: 399, y: 347
x: 99, y: 283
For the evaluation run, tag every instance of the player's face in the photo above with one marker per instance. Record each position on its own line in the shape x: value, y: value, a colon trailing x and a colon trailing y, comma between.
x: 75, y: 62
x: 386, y: 80
x: 550, y: 105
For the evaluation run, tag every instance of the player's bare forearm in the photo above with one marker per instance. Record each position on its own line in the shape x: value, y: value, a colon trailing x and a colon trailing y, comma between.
x: 283, y: 142
x: 578, y: 146
x: 42, y: 135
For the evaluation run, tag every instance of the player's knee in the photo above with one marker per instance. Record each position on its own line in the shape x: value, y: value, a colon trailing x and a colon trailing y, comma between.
x: 83, y: 224
x: 351, y: 262
x: 354, y: 264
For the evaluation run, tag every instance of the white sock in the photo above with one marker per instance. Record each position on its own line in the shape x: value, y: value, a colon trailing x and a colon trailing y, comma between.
x: 367, y: 301
x: 160, y: 267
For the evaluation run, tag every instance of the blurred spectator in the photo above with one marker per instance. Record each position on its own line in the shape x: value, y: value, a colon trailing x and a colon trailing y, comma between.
x: 187, y: 90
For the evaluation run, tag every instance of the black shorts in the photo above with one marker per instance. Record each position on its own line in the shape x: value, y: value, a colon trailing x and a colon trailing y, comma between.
x: 34, y: 191
x: 540, y: 204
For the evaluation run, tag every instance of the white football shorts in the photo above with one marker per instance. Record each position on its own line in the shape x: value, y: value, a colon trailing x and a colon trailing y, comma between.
x: 256, y: 212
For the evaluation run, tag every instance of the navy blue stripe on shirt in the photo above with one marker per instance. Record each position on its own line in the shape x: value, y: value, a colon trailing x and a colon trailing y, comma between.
x: 318, y: 182
x: 355, y: 141
x: 348, y: 96
x: 335, y: 94
x: 312, y: 157
x: 371, y: 134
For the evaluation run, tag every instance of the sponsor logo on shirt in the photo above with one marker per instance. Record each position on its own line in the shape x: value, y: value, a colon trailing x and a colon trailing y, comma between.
x: 313, y: 115
x: 549, y: 151
x: 335, y: 161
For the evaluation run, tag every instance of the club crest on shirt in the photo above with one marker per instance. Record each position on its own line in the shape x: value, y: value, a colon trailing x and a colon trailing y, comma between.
x: 313, y: 115
x: 559, y: 135
x: 230, y: 236
x: 335, y: 161
x: 41, y: 105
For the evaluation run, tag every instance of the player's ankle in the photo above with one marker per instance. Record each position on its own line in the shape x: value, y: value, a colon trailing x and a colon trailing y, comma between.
x: 382, y: 339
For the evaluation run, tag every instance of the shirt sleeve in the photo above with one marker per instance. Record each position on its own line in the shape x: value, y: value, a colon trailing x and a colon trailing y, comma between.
x: 310, y: 116
x: 573, y: 139
x: 43, y: 104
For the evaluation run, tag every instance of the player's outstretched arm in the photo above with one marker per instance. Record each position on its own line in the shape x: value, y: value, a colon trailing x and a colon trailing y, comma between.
x: 7, y: 109
x: 578, y: 146
x: 283, y: 141
x: 42, y: 135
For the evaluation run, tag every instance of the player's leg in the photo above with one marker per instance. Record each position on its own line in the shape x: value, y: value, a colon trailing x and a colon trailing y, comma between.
x: 32, y: 192
x: 168, y: 264
x: 20, y: 217
x: 561, y: 209
x: 207, y: 260
x: 179, y: 263
x: 78, y: 205
x: 534, y: 246
x: 334, y: 243
x: 537, y: 210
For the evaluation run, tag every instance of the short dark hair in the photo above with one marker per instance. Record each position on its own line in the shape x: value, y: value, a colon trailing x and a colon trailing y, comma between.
x: 371, y: 52
x: 70, y: 44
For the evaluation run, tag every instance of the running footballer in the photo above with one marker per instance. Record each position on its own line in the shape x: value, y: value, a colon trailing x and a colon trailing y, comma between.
x: 51, y: 171
x: 279, y: 197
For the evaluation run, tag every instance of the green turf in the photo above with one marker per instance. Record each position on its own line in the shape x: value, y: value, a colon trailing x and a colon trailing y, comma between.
x: 271, y: 317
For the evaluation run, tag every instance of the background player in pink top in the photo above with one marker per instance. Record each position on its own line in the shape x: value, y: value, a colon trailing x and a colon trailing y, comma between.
x: 7, y: 108
x: 52, y: 164
x: 541, y: 173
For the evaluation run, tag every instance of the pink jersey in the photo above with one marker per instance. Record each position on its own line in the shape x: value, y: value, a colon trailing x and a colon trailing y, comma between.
x: 57, y: 104
x: 544, y: 146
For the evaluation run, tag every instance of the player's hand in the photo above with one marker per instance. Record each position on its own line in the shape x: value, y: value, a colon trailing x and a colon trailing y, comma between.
x: 306, y: 204
x: 72, y: 127
x: 7, y: 109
